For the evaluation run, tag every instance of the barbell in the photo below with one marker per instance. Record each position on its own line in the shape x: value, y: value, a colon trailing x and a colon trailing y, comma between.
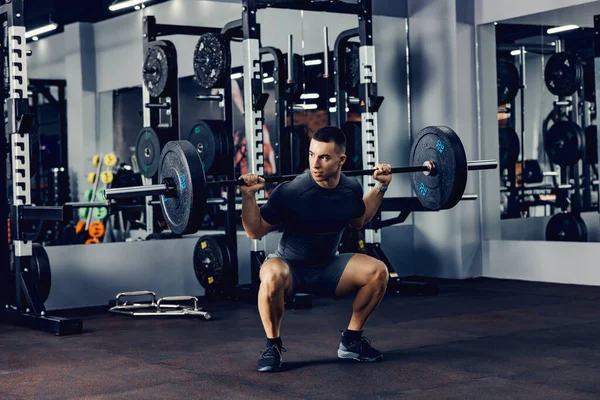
x: 437, y: 153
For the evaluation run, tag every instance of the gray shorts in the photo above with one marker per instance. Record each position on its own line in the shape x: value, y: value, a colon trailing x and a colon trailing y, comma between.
x: 319, y: 279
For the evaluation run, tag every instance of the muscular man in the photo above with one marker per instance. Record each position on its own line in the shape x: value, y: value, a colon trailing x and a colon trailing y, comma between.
x: 314, y: 209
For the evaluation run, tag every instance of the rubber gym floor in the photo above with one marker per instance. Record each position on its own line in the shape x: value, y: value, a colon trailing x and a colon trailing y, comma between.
x: 479, y: 339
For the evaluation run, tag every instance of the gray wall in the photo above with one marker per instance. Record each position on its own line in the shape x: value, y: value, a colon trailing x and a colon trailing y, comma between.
x: 558, y: 262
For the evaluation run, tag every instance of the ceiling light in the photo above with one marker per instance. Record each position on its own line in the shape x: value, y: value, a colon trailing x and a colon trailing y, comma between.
x: 517, y: 52
x: 561, y: 29
x: 237, y: 75
x: 313, y: 62
x: 137, y: 8
x: 119, y: 5
x: 269, y: 79
x: 40, y: 30
x: 35, y: 38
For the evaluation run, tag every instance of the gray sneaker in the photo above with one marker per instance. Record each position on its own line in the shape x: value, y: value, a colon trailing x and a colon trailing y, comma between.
x: 359, y: 350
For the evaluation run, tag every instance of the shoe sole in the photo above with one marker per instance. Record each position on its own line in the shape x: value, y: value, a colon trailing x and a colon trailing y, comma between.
x: 348, y: 355
x: 270, y: 369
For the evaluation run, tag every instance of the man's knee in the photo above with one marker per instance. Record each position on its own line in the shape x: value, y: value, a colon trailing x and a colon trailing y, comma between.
x: 275, y: 274
x: 378, y: 272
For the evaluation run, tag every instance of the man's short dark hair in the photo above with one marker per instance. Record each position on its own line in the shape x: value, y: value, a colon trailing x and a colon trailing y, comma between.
x: 329, y: 134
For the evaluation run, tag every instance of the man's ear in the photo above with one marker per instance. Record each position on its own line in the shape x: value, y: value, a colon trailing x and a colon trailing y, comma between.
x: 343, y: 159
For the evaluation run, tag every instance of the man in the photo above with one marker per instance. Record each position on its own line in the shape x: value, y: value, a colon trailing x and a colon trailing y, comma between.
x: 314, y: 209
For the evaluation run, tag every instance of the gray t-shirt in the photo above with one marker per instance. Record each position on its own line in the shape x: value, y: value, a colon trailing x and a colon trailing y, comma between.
x: 313, y: 217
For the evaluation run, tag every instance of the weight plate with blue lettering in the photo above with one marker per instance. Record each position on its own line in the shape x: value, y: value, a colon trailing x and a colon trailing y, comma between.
x: 147, y: 152
x: 444, y: 188
x: 181, y: 164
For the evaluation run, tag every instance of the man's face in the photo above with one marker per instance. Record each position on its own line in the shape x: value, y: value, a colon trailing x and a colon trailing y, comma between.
x: 324, y: 160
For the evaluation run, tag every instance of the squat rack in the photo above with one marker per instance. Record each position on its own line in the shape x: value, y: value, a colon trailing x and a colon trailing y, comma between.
x: 26, y: 306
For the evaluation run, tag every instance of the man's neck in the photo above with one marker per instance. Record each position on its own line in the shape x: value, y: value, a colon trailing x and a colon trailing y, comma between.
x: 330, y: 183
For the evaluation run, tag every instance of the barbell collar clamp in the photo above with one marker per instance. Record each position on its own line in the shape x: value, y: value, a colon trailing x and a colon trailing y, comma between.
x: 171, y: 187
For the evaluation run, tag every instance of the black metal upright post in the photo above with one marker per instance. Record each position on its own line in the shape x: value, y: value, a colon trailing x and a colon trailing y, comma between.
x: 4, y: 204
x: 254, y: 103
x: 280, y: 141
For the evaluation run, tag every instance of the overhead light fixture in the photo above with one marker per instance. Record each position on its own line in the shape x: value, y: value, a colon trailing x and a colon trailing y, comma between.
x: 309, y: 106
x: 41, y: 30
x: 119, y: 5
x: 35, y: 38
x: 313, y: 62
x: 561, y: 29
x: 517, y: 52
x: 269, y: 79
x: 237, y: 75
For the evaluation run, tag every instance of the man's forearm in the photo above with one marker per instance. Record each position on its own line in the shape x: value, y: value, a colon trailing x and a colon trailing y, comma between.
x: 250, y: 214
x: 372, y: 201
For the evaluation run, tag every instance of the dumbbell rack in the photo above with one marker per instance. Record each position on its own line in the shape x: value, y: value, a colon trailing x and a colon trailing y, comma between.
x: 28, y: 309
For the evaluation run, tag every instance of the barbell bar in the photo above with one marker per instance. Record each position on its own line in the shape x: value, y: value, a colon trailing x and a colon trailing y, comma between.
x: 437, y: 152
x: 169, y: 190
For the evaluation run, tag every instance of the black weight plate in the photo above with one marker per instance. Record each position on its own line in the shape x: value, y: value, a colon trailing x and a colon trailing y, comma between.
x: 563, y: 74
x: 564, y: 143
x: 589, y: 81
x: 210, y: 262
x: 351, y: 77
x: 445, y: 187
x: 147, y: 152
x: 352, y: 130
x: 210, y: 60
x: 40, y: 267
x: 566, y: 227
x: 510, y: 147
x: 204, y: 140
x: 533, y: 172
x: 181, y: 162
x: 508, y: 81
x: 214, y: 145
x: 231, y: 264
x: 591, y: 144
x: 224, y: 159
x: 156, y: 70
